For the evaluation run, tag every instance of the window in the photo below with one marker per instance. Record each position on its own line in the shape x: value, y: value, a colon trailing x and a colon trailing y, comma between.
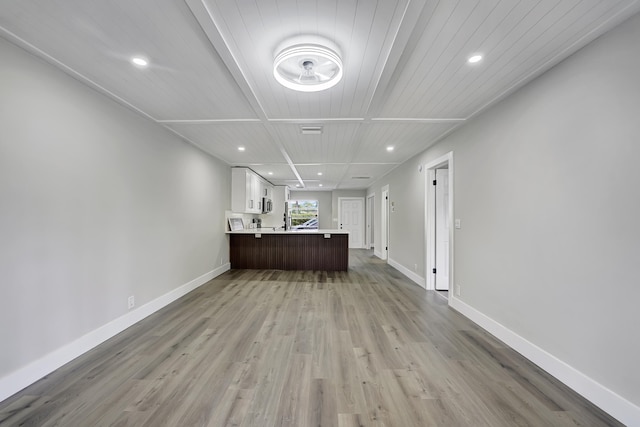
x: 303, y: 214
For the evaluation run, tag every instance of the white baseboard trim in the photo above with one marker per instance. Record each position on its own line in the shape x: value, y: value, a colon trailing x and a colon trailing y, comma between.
x: 378, y: 254
x: 610, y: 402
x: 23, y: 377
x: 410, y: 274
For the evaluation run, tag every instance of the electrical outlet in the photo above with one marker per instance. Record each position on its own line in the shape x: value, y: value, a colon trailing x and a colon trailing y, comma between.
x: 457, y: 290
x: 131, y: 302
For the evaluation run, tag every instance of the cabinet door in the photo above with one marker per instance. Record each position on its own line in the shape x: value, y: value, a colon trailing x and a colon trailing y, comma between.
x: 248, y: 192
x: 256, y: 200
x: 261, y: 192
x: 268, y: 191
x: 240, y: 187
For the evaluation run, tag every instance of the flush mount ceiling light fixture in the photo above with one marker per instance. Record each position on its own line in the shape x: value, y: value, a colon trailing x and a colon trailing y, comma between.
x: 139, y: 61
x: 307, y: 67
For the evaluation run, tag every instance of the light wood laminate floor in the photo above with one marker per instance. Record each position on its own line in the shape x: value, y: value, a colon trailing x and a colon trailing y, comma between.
x: 273, y: 348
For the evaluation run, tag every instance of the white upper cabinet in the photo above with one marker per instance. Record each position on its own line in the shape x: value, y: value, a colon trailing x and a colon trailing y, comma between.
x: 247, y: 191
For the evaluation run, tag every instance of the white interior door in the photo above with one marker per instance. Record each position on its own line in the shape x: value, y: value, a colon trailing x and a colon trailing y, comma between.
x: 442, y: 230
x: 352, y: 220
x: 384, y: 223
x: 370, y: 213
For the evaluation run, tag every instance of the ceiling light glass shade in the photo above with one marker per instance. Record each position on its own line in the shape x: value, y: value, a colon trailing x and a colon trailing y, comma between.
x: 307, y: 68
x: 139, y: 61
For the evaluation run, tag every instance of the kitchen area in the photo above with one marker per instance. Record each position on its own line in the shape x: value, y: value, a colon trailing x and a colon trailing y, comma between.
x: 261, y: 235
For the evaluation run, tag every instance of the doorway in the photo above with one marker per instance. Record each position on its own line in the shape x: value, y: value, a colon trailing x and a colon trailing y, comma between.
x: 370, y: 218
x: 439, y: 220
x: 384, y: 224
x: 351, y: 214
x: 442, y: 229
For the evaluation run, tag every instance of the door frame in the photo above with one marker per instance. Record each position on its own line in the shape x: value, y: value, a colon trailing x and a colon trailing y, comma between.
x: 362, y: 229
x: 384, y: 223
x: 430, y: 223
x: 369, y: 209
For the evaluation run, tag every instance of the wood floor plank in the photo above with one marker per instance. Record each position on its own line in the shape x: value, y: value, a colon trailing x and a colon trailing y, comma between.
x: 296, y: 390
x: 285, y: 348
x: 322, y: 407
x: 270, y: 373
x: 348, y: 382
x: 232, y: 408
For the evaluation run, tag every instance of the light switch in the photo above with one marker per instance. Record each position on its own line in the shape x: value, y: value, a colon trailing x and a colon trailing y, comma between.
x: 457, y: 223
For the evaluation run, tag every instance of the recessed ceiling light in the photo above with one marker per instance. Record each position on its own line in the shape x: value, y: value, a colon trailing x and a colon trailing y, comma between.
x: 270, y: 173
x: 390, y: 148
x: 307, y: 68
x: 240, y: 148
x: 475, y: 58
x: 319, y: 173
x: 319, y: 185
x: 139, y: 61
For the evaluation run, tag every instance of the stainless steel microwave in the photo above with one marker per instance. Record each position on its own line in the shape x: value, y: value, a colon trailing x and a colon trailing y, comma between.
x: 267, y: 205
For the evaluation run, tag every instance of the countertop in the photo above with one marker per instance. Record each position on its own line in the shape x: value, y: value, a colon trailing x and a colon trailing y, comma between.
x: 270, y: 230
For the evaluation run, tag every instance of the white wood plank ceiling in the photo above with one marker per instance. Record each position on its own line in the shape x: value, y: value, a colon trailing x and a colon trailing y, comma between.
x: 406, y: 80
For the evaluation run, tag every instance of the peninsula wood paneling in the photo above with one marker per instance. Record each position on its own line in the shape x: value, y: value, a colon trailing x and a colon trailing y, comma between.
x: 290, y: 252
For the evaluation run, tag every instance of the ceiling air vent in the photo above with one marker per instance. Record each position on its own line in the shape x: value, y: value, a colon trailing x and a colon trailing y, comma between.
x: 360, y: 177
x: 311, y: 130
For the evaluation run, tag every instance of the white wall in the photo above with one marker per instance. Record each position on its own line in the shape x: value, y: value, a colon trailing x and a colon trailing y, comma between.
x: 96, y: 204
x: 546, y: 186
x: 406, y: 219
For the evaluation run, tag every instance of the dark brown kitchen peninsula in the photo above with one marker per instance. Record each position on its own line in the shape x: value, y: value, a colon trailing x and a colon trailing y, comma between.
x: 289, y: 250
